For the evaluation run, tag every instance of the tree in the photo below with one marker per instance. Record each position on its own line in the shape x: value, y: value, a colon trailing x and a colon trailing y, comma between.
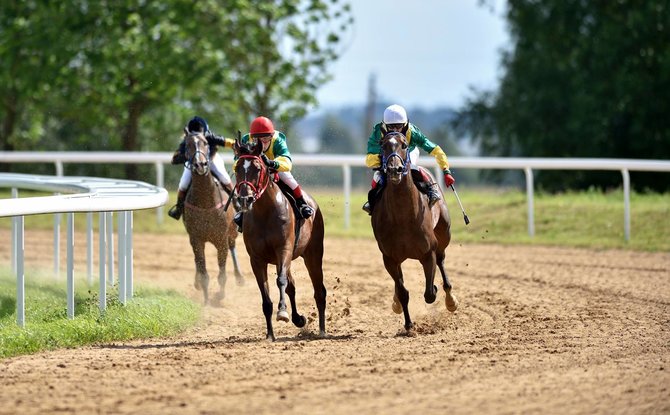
x: 582, y: 79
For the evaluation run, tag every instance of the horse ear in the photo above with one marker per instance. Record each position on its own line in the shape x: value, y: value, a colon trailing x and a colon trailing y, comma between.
x: 257, y: 148
x: 236, y: 147
x: 185, y: 131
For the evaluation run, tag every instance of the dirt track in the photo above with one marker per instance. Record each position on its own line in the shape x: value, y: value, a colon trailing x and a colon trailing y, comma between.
x: 539, y: 330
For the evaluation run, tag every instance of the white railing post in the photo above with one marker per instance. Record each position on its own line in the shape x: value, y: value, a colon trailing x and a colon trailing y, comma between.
x: 102, y: 238
x: 109, y: 227
x: 15, y: 195
x: 129, y: 255
x: 70, y: 266
x: 626, y: 204
x: 89, y: 248
x: 57, y: 245
x: 121, y: 255
x: 530, y: 199
x: 20, y: 275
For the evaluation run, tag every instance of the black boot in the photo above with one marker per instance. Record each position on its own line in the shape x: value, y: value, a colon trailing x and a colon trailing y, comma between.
x: 433, y: 194
x: 306, y: 210
x: 238, y: 218
x: 426, y: 186
x: 373, y: 195
x: 177, y: 210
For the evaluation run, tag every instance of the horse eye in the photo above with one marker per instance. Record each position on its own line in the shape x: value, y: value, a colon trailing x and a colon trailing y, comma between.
x: 404, y: 146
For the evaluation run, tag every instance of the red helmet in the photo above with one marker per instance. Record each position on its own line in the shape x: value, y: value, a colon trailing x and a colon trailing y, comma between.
x: 261, y: 125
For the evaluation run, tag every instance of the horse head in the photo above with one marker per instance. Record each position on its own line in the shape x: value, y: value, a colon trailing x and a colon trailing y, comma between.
x: 251, y: 174
x: 197, y: 153
x: 395, y: 157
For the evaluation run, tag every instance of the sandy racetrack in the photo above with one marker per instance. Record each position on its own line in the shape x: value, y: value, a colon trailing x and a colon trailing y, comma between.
x: 539, y: 330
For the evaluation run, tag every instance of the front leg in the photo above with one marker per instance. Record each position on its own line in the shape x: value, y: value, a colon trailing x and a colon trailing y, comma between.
x: 260, y: 270
x: 282, y: 284
x: 428, y: 263
x: 201, y: 277
x: 401, y: 293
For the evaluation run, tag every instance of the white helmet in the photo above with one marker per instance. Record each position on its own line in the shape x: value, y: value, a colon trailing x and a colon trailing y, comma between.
x: 395, y: 114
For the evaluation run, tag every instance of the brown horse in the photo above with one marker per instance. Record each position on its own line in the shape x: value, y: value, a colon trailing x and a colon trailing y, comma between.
x: 205, y: 218
x: 405, y: 226
x: 273, y: 234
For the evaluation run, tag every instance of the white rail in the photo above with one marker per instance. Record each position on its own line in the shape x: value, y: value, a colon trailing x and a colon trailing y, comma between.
x: 90, y: 195
x: 348, y: 161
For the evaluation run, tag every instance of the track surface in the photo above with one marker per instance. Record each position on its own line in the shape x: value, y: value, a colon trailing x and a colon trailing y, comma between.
x: 539, y: 330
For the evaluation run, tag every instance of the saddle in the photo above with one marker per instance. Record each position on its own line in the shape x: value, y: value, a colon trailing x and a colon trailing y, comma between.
x: 288, y: 193
x: 417, y: 177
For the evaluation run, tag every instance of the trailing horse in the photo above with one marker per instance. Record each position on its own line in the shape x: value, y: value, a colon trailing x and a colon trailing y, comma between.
x: 406, y: 227
x: 205, y: 218
x: 274, y: 234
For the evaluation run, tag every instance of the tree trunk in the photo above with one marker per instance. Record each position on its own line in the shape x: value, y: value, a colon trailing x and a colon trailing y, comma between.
x: 135, y: 109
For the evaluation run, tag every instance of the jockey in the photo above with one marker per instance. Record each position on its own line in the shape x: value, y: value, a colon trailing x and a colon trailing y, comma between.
x: 395, y: 119
x: 198, y: 124
x: 276, y: 157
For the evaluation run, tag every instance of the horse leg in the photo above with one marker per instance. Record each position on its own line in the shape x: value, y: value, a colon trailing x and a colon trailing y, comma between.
x: 450, y: 300
x: 401, y: 293
x: 283, y: 267
x: 428, y: 263
x: 297, y: 319
x: 314, y: 263
x: 260, y: 270
x: 222, y: 256
x: 201, y: 277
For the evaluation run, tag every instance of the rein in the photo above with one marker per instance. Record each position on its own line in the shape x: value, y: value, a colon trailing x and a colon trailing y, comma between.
x: 262, y: 182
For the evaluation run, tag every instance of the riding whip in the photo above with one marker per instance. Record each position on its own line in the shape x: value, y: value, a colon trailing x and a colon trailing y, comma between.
x: 465, y: 217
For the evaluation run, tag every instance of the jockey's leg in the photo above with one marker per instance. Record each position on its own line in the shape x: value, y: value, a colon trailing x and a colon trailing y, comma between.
x: 425, y: 185
x: 177, y: 210
x: 219, y: 171
x: 372, y: 194
x: 305, y: 210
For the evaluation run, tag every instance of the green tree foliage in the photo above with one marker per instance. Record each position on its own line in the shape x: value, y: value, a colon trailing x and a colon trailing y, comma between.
x: 582, y: 79
x: 125, y: 75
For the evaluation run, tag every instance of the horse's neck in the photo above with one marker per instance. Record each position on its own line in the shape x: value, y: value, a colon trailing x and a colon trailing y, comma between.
x: 271, y: 202
x: 204, y: 189
x: 401, y: 199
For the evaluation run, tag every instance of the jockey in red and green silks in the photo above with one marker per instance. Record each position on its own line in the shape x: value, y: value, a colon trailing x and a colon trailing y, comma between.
x: 395, y: 119
x: 277, y: 157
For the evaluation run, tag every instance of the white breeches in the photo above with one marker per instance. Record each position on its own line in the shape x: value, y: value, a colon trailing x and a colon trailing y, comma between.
x: 287, y: 177
x: 218, y: 170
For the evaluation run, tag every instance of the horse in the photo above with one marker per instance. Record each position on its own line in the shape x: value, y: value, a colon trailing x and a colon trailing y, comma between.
x: 205, y: 218
x: 274, y: 234
x: 406, y: 227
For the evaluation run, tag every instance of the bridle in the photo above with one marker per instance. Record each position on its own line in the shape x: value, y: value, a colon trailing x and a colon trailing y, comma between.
x: 405, y: 162
x: 191, y: 162
x: 261, y: 183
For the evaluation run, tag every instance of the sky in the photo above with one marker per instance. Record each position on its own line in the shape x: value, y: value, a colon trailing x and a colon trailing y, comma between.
x: 423, y: 53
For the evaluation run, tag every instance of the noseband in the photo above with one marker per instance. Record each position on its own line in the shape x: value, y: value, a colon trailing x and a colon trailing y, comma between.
x: 261, y: 183
x: 405, y: 162
x: 190, y: 159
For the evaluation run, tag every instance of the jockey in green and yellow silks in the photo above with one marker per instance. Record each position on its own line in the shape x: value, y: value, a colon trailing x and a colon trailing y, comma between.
x: 276, y: 157
x: 395, y: 119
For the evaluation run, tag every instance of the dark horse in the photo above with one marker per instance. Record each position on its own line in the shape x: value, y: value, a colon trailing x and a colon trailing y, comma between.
x: 273, y: 234
x: 205, y: 219
x: 405, y: 226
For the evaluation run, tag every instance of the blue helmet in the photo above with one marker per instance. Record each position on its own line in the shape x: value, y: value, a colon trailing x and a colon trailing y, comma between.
x: 197, y: 124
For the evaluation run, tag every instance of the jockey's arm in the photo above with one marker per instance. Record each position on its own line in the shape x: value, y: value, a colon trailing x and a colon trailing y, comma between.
x: 373, y: 158
x: 179, y: 156
x: 219, y: 140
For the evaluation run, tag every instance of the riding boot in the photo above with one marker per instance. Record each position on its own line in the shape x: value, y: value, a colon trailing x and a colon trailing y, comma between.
x: 426, y: 186
x: 176, y: 211
x: 306, y: 210
x: 238, y: 219
x: 373, y: 194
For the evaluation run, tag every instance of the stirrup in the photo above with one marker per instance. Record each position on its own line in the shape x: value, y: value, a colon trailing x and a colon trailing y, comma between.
x: 366, y: 207
x: 175, y: 212
x: 433, y: 197
x: 306, y: 211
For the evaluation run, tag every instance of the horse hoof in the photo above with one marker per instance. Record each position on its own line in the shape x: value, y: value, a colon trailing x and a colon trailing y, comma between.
x: 451, y: 302
x: 240, y: 280
x: 300, y: 321
x: 397, y: 307
x: 282, y: 315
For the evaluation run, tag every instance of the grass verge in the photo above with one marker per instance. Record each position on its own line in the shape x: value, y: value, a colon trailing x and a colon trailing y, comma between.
x: 151, y: 313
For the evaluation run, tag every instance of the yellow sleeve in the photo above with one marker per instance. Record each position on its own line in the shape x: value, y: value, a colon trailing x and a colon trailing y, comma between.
x: 440, y: 157
x: 285, y: 163
x: 373, y: 161
x: 229, y: 142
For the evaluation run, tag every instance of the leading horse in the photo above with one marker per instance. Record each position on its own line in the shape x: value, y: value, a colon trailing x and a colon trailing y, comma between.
x: 406, y: 227
x: 274, y: 234
x: 205, y: 218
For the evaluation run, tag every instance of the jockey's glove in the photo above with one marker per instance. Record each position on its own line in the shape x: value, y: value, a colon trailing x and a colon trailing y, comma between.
x: 272, y: 164
x: 448, y: 178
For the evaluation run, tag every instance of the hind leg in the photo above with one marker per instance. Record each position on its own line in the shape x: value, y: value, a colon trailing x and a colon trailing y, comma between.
x: 297, y: 319
x: 450, y: 301
x: 314, y: 263
x: 401, y: 293
x: 201, y: 277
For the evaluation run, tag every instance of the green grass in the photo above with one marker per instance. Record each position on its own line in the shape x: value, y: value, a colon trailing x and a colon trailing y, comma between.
x: 584, y: 219
x: 151, y: 313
